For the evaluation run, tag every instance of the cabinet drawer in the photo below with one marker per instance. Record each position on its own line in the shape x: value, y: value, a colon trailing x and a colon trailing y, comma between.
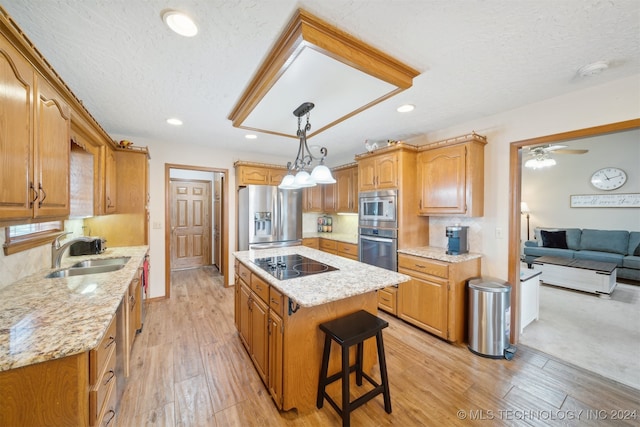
x: 100, y: 392
x: 276, y: 301
x: 311, y: 242
x: 328, y: 245
x: 98, y: 356
x: 244, y: 273
x: 387, y: 299
x: 348, y: 250
x: 107, y: 417
x: 424, y: 265
x: 260, y: 287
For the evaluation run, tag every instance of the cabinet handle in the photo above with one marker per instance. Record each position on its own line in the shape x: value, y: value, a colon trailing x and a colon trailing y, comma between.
x: 35, y: 194
x: 420, y: 203
x: 112, y: 376
x: 420, y: 266
x: 274, y: 301
x: 112, y: 340
x: 113, y: 416
x: 258, y: 288
x: 132, y: 302
x: 44, y: 195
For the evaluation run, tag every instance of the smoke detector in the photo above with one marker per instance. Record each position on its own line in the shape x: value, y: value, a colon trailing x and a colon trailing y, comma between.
x: 593, y: 69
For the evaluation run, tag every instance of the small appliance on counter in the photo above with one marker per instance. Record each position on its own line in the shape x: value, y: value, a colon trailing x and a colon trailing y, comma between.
x: 93, y: 247
x: 457, y: 243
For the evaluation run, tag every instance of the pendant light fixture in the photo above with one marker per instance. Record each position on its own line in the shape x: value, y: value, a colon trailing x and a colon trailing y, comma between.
x: 320, y: 174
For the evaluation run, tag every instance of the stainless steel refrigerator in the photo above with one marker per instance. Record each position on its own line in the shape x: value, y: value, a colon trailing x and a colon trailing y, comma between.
x: 268, y: 216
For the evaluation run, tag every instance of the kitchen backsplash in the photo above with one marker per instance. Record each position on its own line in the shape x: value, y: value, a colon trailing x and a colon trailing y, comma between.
x: 342, y: 224
x: 437, y: 234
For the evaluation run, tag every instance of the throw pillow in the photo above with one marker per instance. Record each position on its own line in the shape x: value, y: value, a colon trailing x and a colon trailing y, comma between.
x: 554, y: 239
x: 637, y: 251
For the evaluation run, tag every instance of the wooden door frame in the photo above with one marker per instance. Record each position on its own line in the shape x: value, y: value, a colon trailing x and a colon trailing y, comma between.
x: 515, y: 195
x: 224, y: 235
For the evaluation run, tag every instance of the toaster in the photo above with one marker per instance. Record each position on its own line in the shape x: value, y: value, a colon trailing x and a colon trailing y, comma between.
x: 95, y: 246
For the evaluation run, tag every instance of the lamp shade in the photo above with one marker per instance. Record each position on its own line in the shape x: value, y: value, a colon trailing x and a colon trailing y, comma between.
x: 322, y: 175
x: 524, y: 208
x: 537, y: 163
x: 303, y: 179
x: 287, y: 182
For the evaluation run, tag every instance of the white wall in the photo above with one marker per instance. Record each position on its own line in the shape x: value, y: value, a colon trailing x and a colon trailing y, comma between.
x: 547, y: 190
x: 612, y: 102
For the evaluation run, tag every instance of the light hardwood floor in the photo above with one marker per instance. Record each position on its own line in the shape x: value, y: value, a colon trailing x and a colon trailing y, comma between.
x: 190, y: 369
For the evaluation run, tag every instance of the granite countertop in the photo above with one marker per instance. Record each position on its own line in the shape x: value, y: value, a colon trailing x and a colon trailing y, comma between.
x: 44, y: 319
x: 352, y: 277
x: 439, y: 254
x: 340, y: 237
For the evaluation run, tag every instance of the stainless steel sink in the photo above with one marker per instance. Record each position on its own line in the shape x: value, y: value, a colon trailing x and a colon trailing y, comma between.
x: 80, y: 271
x: 102, y: 261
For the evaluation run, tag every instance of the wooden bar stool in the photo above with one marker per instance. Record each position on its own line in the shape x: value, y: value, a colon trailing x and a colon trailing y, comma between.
x: 348, y: 331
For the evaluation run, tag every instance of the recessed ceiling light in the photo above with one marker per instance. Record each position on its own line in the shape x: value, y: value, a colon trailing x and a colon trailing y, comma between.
x: 593, y: 69
x: 179, y: 22
x: 174, y: 121
x: 405, y: 108
x: 251, y: 136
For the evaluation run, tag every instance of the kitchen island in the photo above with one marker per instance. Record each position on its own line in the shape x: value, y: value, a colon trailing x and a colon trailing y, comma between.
x: 278, y: 320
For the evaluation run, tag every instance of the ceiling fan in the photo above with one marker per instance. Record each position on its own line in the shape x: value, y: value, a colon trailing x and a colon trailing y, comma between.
x: 540, y: 155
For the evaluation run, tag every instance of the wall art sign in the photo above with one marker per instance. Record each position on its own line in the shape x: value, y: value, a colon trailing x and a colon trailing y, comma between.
x: 631, y: 200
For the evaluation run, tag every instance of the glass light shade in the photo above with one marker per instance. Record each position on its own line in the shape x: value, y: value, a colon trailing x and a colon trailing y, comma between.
x: 287, y: 182
x: 303, y: 179
x: 539, y: 163
x: 524, y: 208
x: 322, y: 175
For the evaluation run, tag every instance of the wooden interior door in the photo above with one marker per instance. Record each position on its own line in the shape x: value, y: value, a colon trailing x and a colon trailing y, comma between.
x: 190, y: 223
x: 217, y: 221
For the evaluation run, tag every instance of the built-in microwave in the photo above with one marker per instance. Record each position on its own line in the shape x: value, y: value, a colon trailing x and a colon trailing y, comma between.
x: 378, y: 208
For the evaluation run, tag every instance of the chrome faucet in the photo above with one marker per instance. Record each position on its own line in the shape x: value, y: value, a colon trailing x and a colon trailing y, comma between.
x: 57, y: 250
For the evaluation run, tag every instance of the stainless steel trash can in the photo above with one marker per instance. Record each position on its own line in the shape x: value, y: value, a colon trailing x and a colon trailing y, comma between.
x: 490, y: 317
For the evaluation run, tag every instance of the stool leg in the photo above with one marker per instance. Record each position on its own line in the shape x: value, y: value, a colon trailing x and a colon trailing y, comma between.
x: 383, y: 373
x: 323, y: 372
x: 359, y: 364
x: 346, y: 406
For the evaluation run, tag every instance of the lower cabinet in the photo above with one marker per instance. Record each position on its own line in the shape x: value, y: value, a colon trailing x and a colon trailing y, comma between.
x: 387, y: 300
x: 254, y: 324
x: 435, y: 297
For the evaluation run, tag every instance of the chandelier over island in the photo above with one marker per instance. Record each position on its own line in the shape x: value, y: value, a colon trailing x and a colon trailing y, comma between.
x: 320, y: 174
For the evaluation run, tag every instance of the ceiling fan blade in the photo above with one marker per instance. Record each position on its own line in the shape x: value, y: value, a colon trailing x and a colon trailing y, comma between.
x: 570, y: 151
x: 554, y: 147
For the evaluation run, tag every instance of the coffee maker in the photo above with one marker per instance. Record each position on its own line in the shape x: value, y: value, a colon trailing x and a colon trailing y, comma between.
x: 457, y: 243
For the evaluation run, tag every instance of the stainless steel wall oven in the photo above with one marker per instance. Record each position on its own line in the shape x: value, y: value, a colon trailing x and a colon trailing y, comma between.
x: 378, y: 228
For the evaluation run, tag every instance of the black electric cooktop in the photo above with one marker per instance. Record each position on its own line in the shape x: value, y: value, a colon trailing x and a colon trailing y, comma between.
x: 291, y: 266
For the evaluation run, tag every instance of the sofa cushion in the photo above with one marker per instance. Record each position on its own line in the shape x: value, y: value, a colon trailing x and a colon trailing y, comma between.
x: 542, y: 251
x: 573, y: 236
x: 600, y: 256
x: 614, y: 241
x: 631, y: 262
x: 634, y: 243
x: 554, y: 239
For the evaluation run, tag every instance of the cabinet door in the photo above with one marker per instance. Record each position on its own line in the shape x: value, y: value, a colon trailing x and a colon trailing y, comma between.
x: 276, y: 175
x: 442, y: 178
x: 329, y: 199
x: 312, y: 199
x: 387, y: 171
x: 367, y: 174
x: 16, y: 97
x: 254, y: 175
x: 260, y: 336
x: 276, y: 335
x: 424, y: 303
x: 245, y: 312
x: 131, y: 187
x: 343, y: 190
x: 51, y: 153
x: 110, y: 181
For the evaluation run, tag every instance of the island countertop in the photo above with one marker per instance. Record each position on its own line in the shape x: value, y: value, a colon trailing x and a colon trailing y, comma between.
x: 352, y: 277
x: 44, y: 319
x: 439, y: 254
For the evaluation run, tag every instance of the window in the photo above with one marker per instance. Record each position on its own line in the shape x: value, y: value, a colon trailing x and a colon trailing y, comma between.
x: 26, y: 236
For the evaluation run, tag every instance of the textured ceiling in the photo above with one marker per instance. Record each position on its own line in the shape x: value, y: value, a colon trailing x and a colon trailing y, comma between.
x: 476, y: 58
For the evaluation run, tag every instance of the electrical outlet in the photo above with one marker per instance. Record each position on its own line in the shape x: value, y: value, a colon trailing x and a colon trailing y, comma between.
x: 157, y: 225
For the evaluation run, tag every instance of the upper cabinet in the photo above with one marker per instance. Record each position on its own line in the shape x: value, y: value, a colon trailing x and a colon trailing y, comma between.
x: 451, y: 177
x: 346, y: 189
x: 258, y: 174
x: 34, y: 143
x: 110, y: 184
x: 313, y: 199
x: 378, y: 171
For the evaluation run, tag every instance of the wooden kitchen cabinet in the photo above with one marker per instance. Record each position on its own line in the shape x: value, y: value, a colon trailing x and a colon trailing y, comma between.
x: 276, y: 350
x: 347, y: 250
x: 34, y: 143
x: 346, y: 189
x: 379, y: 171
x: 110, y: 180
x: 259, y: 174
x: 313, y: 199
x: 451, y: 177
x: 311, y: 242
x: 387, y: 300
x: 133, y: 317
x: 434, y: 298
x: 328, y: 245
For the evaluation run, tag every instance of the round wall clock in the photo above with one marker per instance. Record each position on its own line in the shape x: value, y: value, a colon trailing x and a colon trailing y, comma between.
x: 608, y: 178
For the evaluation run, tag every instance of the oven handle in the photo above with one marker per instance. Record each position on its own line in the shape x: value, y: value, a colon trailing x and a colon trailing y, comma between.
x: 377, y: 239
